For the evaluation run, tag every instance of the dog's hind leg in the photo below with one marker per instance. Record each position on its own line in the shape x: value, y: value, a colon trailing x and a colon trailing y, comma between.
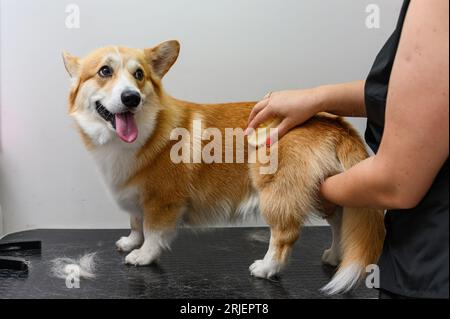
x: 282, y: 239
x: 136, y: 237
x: 333, y: 255
x: 285, y: 230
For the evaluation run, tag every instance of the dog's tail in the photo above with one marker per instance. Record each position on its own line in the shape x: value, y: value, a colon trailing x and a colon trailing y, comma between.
x: 362, y: 230
x: 362, y: 235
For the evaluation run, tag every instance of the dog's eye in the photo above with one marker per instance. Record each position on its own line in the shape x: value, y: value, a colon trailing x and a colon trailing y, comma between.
x: 139, y: 74
x: 105, y: 71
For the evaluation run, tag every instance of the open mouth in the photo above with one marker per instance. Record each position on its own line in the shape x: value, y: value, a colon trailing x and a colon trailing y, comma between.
x: 123, y: 123
x: 105, y: 114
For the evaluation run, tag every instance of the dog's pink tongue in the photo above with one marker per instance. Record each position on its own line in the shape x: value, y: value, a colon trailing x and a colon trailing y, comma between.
x: 126, y: 127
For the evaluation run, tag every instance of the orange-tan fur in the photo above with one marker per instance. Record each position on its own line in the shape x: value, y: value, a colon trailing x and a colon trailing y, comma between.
x: 197, y: 192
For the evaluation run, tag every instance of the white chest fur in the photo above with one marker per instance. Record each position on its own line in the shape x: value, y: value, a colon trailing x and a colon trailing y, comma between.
x: 116, y: 163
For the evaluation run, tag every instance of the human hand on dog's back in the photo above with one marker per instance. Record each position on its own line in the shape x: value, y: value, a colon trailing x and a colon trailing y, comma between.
x: 295, y: 107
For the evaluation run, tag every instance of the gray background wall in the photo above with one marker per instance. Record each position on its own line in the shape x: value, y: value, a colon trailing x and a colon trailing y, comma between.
x: 231, y: 51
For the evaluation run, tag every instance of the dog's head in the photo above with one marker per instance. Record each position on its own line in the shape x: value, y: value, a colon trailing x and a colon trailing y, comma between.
x: 115, y: 91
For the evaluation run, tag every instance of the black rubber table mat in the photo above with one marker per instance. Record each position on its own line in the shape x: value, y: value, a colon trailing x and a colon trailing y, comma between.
x: 210, y: 263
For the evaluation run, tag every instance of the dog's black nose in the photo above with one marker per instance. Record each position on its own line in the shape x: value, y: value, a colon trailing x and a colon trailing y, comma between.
x: 130, y: 98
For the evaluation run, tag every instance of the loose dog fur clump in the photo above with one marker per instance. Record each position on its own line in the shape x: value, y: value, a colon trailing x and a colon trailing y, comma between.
x: 85, y: 264
x: 125, y: 119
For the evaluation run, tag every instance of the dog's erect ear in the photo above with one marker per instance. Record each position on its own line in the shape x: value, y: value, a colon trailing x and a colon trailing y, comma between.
x: 72, y: 64
x: 163, y: 56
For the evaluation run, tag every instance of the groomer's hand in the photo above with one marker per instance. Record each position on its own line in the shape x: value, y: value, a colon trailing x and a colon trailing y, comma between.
x: 292, y: 107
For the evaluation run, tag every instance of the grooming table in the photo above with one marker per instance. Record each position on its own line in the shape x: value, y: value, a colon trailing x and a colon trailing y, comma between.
x: 210, y: 263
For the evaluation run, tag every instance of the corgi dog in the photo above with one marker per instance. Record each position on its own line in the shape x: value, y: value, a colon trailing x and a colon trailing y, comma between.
x: 127, y: 121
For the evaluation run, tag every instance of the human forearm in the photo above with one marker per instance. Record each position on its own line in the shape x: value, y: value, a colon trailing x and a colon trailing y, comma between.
x: 367, y: 184
x: 295, y: 107
x: 345, y: 99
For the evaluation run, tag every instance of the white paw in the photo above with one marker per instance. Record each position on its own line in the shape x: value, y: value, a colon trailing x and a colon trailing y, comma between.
x: 141, y: 257
x: 264, y: 268
x: 129, y: 243
x: 330, y: 257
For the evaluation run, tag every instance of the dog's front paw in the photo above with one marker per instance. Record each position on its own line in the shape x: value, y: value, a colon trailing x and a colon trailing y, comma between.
x: 129, y: 243
x: 264, y: 268
x: 140, y: 257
